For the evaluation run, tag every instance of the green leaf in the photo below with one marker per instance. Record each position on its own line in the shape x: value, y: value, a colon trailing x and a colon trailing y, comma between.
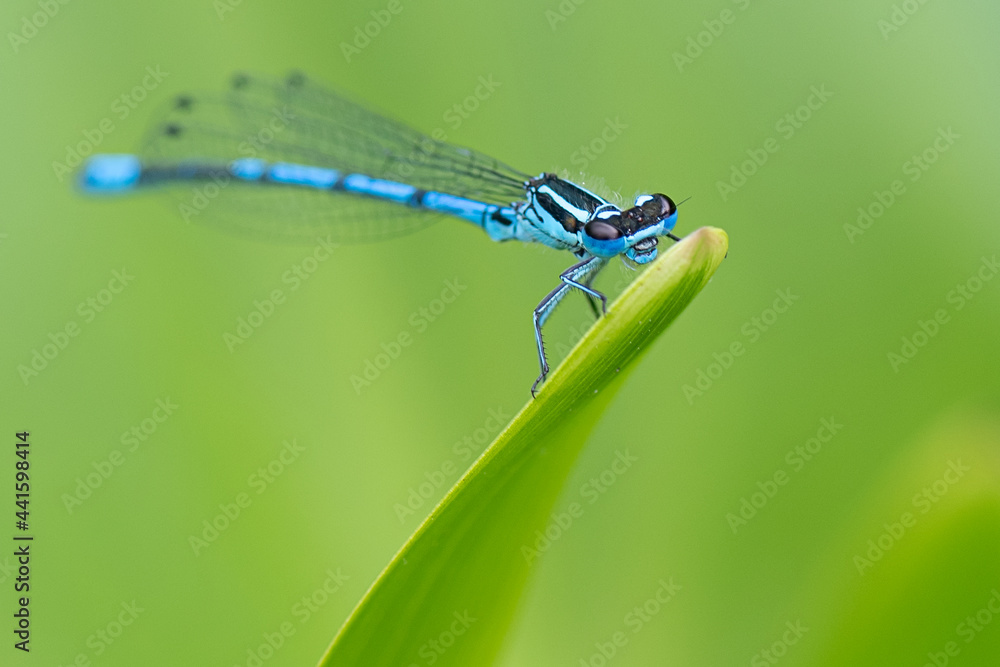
x: 460, y: 575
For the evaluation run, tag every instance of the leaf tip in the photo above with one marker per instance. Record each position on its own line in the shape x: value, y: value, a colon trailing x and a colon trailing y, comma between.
x: 711, y: 239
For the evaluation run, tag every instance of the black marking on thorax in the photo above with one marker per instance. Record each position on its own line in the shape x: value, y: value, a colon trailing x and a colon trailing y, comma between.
x: 572, y: 194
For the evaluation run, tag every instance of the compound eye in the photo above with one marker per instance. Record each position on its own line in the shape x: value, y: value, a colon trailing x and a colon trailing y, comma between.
x: 661, y: 206
x: 655, y: 207
x: 602, y: 230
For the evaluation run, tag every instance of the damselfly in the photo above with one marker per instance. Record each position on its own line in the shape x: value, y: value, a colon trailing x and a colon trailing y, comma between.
x: 292, y: 159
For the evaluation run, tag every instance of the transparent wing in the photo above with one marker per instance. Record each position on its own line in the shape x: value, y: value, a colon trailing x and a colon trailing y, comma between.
x: 295, y: 120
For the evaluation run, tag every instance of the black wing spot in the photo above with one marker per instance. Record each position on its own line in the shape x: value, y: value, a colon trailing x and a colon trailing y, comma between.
x: 183, y: 103
x: 172, y: 130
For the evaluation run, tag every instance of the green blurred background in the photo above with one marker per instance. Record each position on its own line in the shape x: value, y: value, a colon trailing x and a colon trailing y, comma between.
x: 564, y: 72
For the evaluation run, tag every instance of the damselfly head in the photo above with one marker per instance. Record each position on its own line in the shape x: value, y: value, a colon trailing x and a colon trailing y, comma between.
x: 634, y: 231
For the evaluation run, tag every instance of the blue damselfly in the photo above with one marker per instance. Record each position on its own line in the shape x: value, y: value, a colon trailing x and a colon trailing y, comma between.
x: 291, y: 159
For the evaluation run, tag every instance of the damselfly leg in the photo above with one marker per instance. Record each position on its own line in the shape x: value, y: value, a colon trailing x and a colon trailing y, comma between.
x: 579, y: 276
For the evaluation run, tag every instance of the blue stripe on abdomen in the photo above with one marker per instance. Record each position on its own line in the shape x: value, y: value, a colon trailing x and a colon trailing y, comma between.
x: 110, y: 173
x: 298, y: 174
x: 473, y: 211
x: 120, y: 173
x: 359, y: 184
x: 248, y: 168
